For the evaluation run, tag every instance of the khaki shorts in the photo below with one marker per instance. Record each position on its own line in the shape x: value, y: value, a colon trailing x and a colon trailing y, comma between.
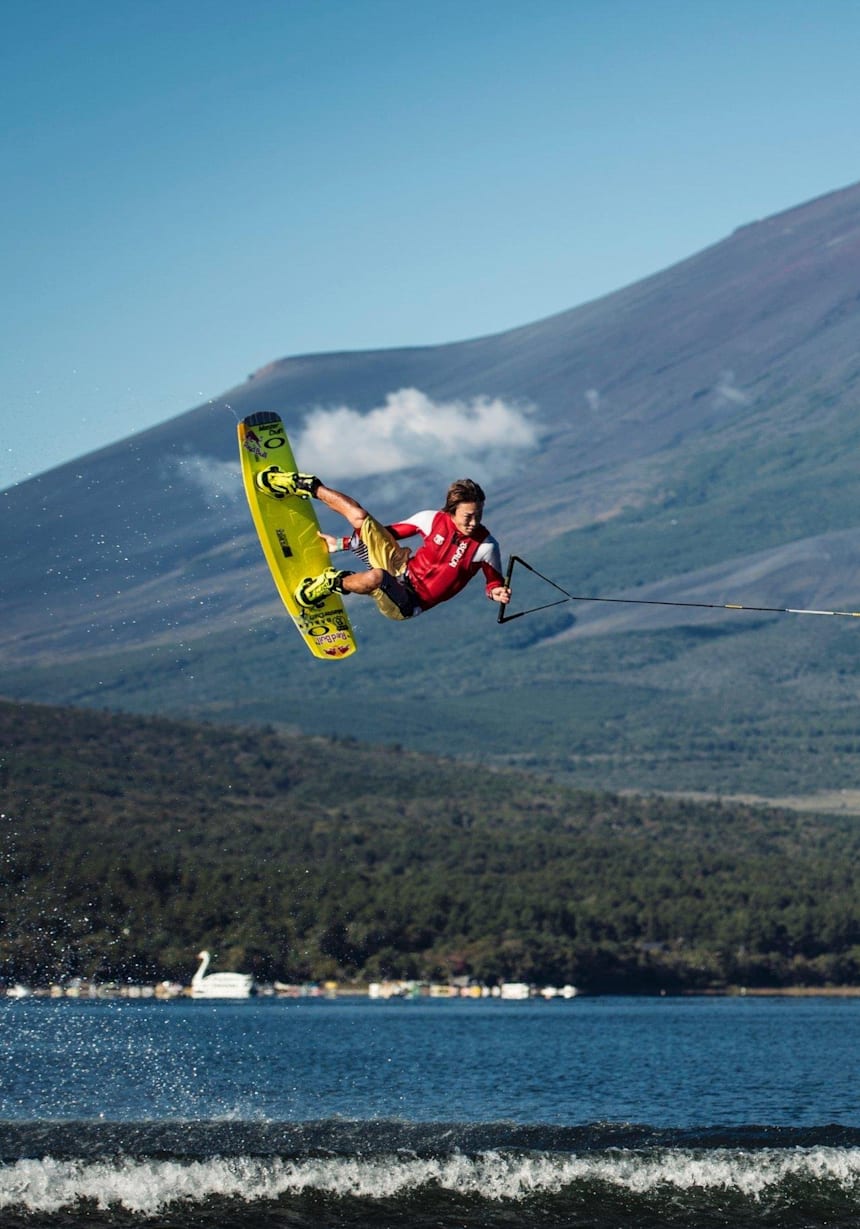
x: 384, y: 552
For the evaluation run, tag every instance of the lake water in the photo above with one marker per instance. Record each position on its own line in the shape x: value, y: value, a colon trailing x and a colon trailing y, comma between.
x: 593, y: 1112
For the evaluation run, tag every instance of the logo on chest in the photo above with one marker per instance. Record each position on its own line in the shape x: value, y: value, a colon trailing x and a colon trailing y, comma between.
x: 458, y: 554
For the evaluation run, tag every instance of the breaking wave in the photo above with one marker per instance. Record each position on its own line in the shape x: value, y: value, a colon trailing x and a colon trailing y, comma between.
x: 392, y: 1174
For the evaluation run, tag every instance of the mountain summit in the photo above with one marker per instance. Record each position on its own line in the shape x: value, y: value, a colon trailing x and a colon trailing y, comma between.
x: 690, y: 437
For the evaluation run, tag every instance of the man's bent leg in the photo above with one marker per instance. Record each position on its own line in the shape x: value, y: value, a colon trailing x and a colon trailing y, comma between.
x: 381, y: 547
x: 363, y: 582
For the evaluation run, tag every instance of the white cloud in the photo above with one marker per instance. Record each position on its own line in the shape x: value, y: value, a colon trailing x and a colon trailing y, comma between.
x: 727, y: 390
x: 214, y: 479
x: 484, y: 436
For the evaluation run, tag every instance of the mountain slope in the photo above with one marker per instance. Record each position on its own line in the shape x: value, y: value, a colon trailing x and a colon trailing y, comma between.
x: 697, y: 436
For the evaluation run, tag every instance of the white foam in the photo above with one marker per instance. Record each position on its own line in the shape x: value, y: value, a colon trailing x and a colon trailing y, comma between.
x: 145, y: 1187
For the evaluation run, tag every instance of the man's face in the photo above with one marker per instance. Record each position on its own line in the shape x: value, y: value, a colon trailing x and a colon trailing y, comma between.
x: 467, y: 518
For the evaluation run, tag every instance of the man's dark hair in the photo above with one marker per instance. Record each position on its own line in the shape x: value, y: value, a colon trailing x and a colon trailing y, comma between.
x: 463, y: 491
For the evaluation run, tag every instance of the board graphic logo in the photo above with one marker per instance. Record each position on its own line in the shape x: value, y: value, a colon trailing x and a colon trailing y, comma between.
x: 286, y: 549
x: 252, y: 443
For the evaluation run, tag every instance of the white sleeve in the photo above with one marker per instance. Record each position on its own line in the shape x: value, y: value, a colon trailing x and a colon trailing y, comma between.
x: 423, y: 521
x: 490, y: 552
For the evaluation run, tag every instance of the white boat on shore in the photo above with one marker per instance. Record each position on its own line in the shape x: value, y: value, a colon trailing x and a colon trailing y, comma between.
x: 219, y: 985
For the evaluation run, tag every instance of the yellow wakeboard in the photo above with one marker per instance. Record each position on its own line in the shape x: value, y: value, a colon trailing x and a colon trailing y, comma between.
x: 289, y: 535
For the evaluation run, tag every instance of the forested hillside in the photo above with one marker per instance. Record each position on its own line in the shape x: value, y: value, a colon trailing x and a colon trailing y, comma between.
x: 129, y: 843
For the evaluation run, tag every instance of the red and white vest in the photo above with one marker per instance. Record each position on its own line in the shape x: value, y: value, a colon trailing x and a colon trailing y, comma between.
x: 446, y: 560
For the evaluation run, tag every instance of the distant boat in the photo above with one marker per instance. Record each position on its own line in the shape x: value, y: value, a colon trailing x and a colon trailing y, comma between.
x: 515, y: 990
x: 219, y: 985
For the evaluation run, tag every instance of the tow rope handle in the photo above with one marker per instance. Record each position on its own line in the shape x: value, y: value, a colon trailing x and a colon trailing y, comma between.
x: 503, y: 618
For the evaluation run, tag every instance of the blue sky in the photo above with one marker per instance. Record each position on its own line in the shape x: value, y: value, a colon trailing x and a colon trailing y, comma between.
x: 193, y: 188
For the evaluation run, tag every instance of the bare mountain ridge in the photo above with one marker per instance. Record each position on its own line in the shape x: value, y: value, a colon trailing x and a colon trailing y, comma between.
x: 768, y: 314
x: 697, y: 428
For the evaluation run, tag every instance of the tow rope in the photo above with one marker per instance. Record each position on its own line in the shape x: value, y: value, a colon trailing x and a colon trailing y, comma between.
x: 641, y: 601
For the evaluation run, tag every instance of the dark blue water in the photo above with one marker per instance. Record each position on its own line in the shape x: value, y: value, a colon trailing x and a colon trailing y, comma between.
x: 592, y: 1112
